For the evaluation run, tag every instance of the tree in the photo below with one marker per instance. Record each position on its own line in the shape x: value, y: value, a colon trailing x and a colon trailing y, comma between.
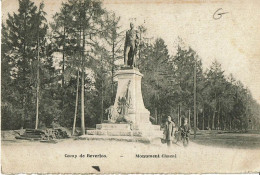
x: 108, y: 51
x: 184, y: 63
x: 154, y: 65
x: 24, y: 37
x: 113, y: 44
x: 82, y: 26
x: 216, y: 80
x: 88, y: 41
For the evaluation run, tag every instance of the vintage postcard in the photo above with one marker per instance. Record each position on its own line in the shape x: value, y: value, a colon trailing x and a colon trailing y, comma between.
x: 130, y: 86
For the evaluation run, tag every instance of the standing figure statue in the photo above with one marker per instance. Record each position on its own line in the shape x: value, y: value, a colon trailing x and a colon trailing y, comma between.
x: 131, y: 44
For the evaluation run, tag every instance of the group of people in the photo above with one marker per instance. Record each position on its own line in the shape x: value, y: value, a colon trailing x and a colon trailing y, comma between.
x: 173, y: 133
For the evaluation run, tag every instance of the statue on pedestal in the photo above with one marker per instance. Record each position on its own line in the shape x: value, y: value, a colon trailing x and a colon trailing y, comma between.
x: 131, y: 44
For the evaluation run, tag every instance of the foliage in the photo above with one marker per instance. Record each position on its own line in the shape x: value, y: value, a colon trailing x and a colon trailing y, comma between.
x: 88, y: 41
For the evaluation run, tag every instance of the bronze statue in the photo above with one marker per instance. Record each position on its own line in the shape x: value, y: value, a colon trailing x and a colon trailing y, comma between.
x: 131, y: 44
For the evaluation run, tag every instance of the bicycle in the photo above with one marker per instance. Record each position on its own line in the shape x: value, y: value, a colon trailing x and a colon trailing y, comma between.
x: 185, y: 138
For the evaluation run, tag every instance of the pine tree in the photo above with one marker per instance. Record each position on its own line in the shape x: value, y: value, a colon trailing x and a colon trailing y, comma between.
x: 22, y: 33
x: 81, y: 29
x: 108, y: 51
x: 155, y: 68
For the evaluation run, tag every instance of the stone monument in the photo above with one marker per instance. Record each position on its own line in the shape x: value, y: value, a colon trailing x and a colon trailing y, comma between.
x: 129, y: 92
x: 128, y: 119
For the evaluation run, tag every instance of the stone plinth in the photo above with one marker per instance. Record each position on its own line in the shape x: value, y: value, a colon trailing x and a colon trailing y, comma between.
x: 125, y: 130
x: 111, y: 126
x: 129, y: 81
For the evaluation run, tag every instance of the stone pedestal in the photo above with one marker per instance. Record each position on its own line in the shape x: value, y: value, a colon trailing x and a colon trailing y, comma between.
x: 123, y: 132
x: 129, y: 81
x: 138, y: 126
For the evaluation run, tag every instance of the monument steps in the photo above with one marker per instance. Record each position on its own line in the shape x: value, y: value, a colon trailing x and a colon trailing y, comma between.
x: 135, y: 133
x: 121, y: 138
x: 126, y: 126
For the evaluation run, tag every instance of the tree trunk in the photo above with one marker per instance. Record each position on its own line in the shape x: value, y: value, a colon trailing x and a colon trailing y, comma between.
x: 189, y: 117
x: 230, y: 124
x: 155, y: 114
x: 197, y: 119
x: 102, y: 101
x: 38, y: 82
x: 23, y: 114
x: 180, y: 115
x: 82, y: 101
x: 63, y: 58
x: 224, y: 122
x: 213, y: 120
x: 203, y: 118
x: 208, y: 119
x: 82, y: 86
x: 195, y: 97
x: 218, y: 116
x: 76, y: 105
x: 112, y: 71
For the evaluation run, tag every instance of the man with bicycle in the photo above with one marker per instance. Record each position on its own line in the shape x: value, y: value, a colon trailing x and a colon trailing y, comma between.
x: 185, y: 132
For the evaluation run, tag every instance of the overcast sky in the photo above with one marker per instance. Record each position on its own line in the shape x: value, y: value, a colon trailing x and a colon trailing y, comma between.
x: 233, y: 40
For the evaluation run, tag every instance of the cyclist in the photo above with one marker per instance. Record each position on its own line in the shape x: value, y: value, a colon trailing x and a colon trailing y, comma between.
x: 185, y: 132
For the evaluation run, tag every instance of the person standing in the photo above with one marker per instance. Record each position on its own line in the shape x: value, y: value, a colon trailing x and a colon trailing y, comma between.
x: 185, y: 132
x: 169, y: 131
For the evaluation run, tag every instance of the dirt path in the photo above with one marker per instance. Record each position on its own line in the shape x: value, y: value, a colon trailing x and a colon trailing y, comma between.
x: 28, y: 157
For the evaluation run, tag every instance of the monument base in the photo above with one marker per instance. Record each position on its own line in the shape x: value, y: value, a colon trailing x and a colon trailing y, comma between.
x: 124, y: 132
x: 128, y: 105
x: 119, y: 138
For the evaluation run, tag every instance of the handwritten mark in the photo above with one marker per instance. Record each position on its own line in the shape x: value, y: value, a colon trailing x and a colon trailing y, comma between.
x: 218, y: 14
x: 96, y: 168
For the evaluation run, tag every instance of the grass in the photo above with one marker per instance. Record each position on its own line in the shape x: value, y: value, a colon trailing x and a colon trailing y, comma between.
x: 229, y: 140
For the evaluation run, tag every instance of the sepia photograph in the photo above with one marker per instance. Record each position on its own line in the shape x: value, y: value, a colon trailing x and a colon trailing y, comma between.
x: 130, y: 86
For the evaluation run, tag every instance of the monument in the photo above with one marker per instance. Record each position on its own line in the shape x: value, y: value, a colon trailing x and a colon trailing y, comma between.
x: 128, y: 119
x: 131, y: 44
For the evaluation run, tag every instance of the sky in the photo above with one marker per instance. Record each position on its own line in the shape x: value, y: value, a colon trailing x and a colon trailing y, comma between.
x: 233, y: 40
